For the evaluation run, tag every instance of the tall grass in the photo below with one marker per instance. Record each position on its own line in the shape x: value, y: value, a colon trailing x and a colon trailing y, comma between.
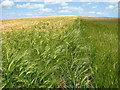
x: 45, y: 59
x: 102, y: 37
x: 51, y: 58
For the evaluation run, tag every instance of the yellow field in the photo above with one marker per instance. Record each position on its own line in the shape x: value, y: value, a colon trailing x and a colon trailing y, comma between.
x: 52, y: 21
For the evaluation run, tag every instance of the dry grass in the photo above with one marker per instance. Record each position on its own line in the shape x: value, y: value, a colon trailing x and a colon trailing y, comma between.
x: 27, y: 23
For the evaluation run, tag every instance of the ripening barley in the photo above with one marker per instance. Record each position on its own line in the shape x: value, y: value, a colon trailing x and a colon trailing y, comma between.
x: 55, y: 49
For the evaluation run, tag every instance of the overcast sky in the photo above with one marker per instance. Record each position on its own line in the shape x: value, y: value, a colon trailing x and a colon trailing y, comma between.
x: 35, y: 8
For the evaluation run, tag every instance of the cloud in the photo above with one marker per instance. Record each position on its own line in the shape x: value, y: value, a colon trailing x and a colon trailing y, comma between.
x: 46, y: 10
x: 99, y: 13
x: 67, y: 0
x: 68, y: 9
x: 89, y: 3
x: 110, y: 7
x: 94, y: 7
x: 34, y: 0
x: 53, y: 1
x: 23, y: 5
x: 34, y: 6
x: 62, y: 2
x: 29, y: 14
x: 30, y: 6
x: 56, y: 1
x: 72, y: 8
x: 92, y: 12
x: 64, y: 11
x: 7, y: 4
x: 112, y: 2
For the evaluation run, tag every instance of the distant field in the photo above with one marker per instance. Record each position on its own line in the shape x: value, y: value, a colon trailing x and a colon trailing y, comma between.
x: 60, y: 52
x: 27, y: 23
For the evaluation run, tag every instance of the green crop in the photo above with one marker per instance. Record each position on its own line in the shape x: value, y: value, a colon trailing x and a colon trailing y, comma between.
x: 48, y: 55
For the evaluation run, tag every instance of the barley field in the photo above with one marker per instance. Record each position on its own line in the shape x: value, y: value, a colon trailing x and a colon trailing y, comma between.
x: 60, y: 52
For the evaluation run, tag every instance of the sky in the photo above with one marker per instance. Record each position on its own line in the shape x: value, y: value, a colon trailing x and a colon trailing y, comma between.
x: 33, y: 8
